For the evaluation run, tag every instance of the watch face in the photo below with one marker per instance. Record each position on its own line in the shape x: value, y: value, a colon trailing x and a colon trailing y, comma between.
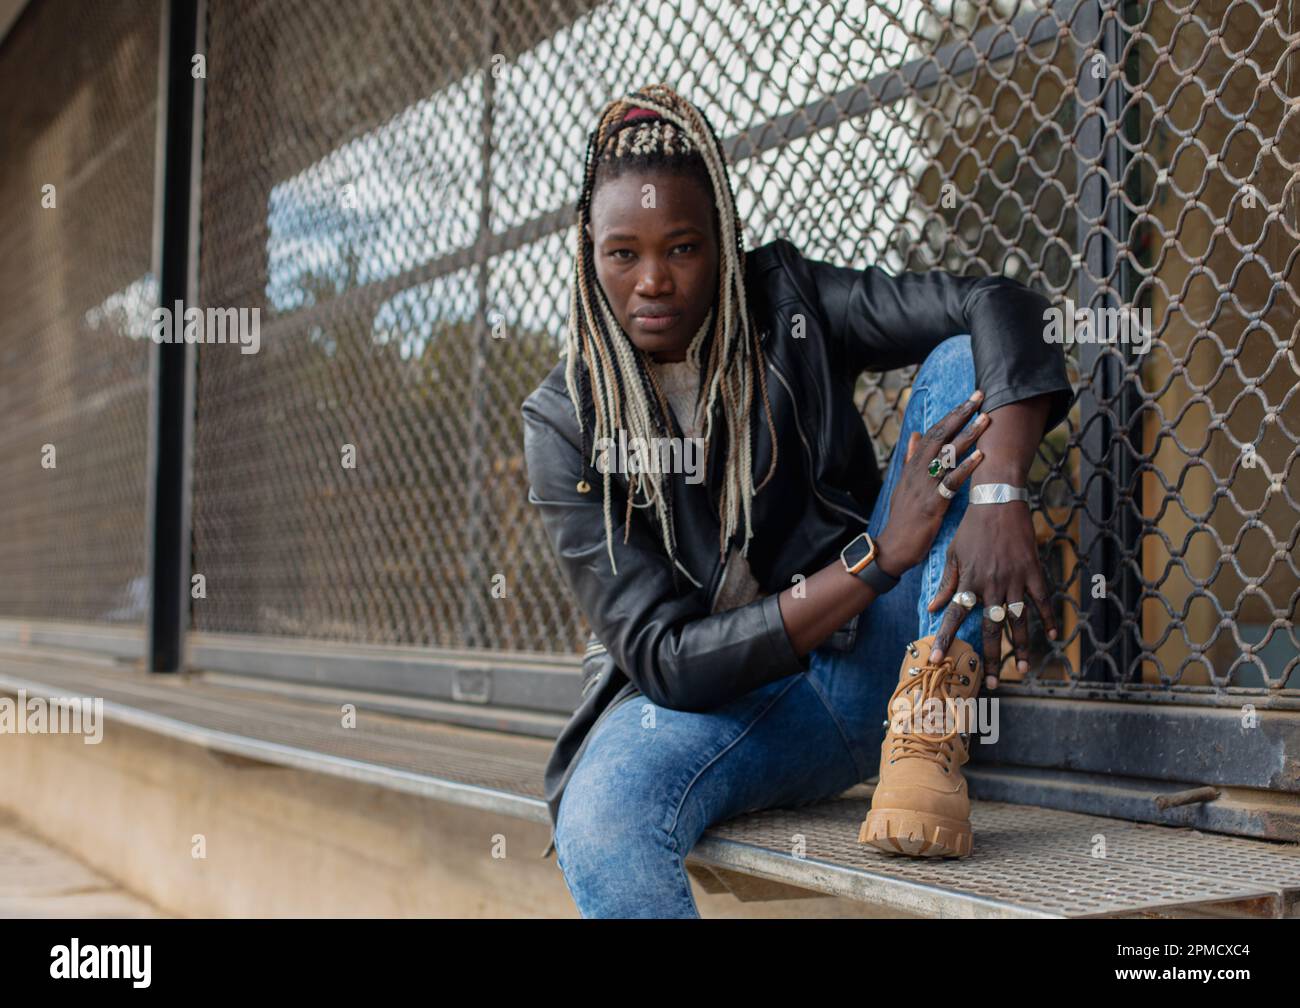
x: 857, y: 552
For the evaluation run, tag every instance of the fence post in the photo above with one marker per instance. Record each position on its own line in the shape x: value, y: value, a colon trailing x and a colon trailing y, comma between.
x: 1109, y: 523
x: 474, y: 618
x: 171, y: 365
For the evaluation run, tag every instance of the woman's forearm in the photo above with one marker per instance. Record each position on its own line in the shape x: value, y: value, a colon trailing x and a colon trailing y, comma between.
x: 1011, y: 440
x: 832, y: 596
x: 814, y: 608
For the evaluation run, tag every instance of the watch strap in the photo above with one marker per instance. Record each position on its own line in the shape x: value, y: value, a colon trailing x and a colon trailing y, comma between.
x: 871, y: 574
x: 877, y: 578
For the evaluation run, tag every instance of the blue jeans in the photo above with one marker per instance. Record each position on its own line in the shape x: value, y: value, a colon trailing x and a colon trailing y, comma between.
x: 652, y: 779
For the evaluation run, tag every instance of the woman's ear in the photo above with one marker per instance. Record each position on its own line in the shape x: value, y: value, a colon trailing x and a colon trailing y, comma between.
x: 587, y: 227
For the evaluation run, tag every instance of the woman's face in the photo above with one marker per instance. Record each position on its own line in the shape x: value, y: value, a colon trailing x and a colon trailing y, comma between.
x: 658, y: 264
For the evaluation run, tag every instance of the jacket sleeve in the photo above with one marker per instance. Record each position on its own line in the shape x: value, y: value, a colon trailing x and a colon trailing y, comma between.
x: 679, y: 654
x: 879, y: 322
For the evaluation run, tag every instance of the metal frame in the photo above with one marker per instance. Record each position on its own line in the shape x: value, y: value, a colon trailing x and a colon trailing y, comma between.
x: 172, y: 365
x: 1112, y: 495
x: 473, y: 618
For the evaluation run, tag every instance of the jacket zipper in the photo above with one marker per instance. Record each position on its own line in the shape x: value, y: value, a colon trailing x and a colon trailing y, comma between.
x: 717, y: 517
x: 722, y: 576
x: 799, y: 427
x: 592, y: 652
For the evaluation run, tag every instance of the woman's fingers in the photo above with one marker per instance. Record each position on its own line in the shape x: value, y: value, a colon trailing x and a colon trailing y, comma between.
x: 952, y: 480
x: 950, y: 451
x: 1019, y: 627
x: 913, y: 443
x: 953, y: 617
x: 1042, y: 600
x: 956, y: 477
x: 992, y: 642
x: 970, y: 435
x: 947, y: 584
x: 947, y: 427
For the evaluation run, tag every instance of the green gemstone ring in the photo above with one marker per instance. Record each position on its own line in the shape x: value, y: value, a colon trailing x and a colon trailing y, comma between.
x: 936, y: 466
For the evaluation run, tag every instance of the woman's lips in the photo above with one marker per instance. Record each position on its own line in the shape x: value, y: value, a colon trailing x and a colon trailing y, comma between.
x: 657, y: 323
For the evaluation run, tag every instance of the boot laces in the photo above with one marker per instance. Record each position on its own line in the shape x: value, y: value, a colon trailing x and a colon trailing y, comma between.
x: 931, y: 682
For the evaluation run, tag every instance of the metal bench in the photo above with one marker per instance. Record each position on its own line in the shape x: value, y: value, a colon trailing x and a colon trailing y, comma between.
x: 1028, y: 861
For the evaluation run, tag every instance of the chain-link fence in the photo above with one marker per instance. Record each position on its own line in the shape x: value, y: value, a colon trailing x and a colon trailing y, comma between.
x: 397, y: 189
x: 392, y: 185
x: 77, y: 128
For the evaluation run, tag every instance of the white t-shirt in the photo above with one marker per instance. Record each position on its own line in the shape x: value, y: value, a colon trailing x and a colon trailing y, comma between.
x: 680, y: 382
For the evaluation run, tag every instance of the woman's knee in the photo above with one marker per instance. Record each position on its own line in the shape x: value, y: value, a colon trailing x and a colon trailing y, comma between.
x: 604, y: 818
x: 615, y: 858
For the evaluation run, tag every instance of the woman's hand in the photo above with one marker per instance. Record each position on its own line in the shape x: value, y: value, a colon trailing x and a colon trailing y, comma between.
x: 916, y: 508
x: 994, y: 553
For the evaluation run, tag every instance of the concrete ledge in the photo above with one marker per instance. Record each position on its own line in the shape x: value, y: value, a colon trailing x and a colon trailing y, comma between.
x: 210, y: 823
x: 1029, y: 862
x: 200, y: 832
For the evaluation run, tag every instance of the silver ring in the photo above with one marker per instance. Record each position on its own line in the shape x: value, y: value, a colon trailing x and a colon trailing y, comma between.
x: 1017, y: 609
x: 996, y: 613
x: 965, y: 599
x: 945, y: 493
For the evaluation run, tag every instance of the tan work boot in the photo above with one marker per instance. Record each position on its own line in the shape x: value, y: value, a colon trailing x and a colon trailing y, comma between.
x: 920, y: 806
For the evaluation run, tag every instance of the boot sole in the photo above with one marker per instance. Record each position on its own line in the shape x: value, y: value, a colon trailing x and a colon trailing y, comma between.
x: 902, y: 831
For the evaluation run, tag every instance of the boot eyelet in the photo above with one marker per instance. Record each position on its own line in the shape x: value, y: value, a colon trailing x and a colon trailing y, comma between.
x: 965, y: 680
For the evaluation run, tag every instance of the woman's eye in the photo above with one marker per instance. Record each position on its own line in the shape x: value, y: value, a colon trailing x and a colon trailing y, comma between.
x: 615, y: 253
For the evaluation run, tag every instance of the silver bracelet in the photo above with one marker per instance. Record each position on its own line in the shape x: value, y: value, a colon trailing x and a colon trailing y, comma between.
x: 997, y: 493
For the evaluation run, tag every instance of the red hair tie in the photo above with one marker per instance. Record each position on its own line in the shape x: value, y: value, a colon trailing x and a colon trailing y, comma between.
x: 639, y: 113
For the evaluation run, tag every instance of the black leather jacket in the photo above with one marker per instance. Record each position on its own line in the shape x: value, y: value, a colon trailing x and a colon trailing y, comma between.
x: 654, y: 631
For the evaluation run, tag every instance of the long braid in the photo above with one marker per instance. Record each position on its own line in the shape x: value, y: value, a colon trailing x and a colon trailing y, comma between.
x: 670, y: 134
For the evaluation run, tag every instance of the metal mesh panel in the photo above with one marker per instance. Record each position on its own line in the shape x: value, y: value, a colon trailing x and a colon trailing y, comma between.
x: 1174, y: 483
x: 394, y: 189
x: 77, y: 112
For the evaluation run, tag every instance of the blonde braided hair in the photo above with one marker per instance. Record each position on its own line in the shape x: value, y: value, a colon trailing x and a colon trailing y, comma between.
x: 671, y: 134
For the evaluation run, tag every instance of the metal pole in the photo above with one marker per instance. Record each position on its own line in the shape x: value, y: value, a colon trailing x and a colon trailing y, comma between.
x: 171, y: 367
x: 474, y: 614
x: 1109, y: 523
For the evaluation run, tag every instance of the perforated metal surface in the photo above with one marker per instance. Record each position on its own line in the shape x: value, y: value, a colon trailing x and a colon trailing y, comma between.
x: 1027, y: 861
x: 1033, y: 859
